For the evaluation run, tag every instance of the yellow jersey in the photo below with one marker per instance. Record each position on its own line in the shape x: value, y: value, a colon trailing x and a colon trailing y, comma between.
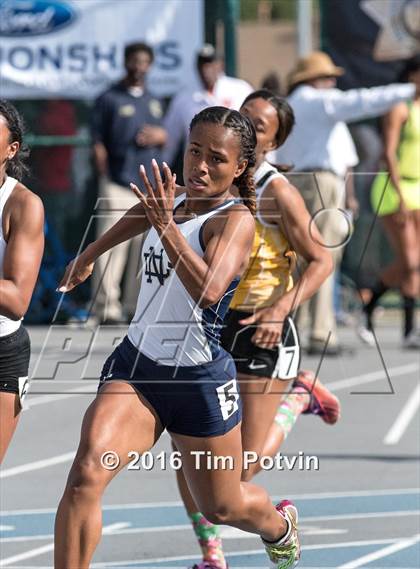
x: 268, y: 275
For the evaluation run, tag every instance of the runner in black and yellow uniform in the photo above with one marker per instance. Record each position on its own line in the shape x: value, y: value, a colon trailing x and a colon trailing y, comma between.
x: 260, y: 332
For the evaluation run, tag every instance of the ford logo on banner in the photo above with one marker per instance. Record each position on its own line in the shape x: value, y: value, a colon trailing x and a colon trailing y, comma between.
x: 20, y: 18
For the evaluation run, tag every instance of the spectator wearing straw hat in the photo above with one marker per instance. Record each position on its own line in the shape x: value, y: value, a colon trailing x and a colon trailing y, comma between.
x: 315, y: 149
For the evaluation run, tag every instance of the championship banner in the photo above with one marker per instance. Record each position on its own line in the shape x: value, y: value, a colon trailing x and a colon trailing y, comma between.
x: 370, y: 38
x: 74, y: 48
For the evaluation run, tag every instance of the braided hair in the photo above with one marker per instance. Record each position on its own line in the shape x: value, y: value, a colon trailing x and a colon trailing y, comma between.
x: 16, y: 166
x: 243, y: 128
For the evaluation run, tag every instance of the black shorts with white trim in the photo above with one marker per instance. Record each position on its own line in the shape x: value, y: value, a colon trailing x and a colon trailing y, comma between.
x: 282, y: 362
x: 15, y: 352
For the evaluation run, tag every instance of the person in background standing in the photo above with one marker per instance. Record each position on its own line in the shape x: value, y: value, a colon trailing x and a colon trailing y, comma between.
x: 315, y: 150
x: 396, y: 200
x: 214, y: 88
x: 127, y: 131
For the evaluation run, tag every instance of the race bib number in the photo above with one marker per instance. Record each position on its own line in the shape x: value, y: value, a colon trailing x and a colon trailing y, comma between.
x: 228, y: 398
x: 23, y: 388
x: 288, y: 362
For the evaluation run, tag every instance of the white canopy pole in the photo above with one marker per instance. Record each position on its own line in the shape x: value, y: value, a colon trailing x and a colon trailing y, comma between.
x: 305, y: 45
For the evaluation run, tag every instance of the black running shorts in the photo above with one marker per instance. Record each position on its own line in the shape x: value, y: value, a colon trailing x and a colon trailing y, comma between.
x: 15, y: 351
x: 282, y: 362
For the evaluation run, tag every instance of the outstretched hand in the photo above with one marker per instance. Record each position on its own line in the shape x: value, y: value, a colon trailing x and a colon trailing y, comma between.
x: 77, y: 271
x: 158, y: 202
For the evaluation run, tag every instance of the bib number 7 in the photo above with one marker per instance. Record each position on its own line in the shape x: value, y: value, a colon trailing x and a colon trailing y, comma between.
x: 23, y: 383
x: 228, y: 398
x: 288, y: 362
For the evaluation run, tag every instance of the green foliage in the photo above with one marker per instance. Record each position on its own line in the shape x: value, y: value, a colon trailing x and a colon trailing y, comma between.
x: 280, y: 9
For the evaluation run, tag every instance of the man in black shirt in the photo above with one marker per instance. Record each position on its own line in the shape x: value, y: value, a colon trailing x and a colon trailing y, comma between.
x: 126, y: 132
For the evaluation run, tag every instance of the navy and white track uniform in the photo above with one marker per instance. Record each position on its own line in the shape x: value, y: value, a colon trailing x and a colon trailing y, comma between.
x: 14, y: 339
x: 172, y: 354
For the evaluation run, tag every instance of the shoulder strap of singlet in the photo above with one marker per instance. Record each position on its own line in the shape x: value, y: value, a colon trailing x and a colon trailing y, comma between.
x: 179, y: 199
x: 5, y: 191
x: 265, y: 178
x: 205, y: 218
x: 261, y: 184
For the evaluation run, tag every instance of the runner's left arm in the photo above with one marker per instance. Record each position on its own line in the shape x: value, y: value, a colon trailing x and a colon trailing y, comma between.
x: 304, y: 238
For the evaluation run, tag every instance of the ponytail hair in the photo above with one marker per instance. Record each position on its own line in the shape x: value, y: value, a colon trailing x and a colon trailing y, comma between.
x: 243, y: 128
x: 15, y: 167
x: 246, y: 187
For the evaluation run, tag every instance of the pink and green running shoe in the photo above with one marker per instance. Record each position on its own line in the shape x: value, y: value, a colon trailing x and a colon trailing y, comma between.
x: 209, y: 565
x: 286, y: 553
x: 323, y: 403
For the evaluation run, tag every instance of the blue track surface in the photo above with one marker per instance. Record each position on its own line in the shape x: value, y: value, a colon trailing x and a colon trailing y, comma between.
x: 39, y: 525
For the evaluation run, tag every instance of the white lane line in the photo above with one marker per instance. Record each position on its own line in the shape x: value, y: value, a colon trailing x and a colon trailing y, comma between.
x: 27, y: 555
x: 37, y: 465
x: 241, y: 553
x: 183, y: 527
x: 399, y: 513
x: 404, y: 418
x: 115, y: 527
x: 384, y: 552
x: 50, y: 546
x: 350, y: 494
x: 33, y: 399
x: 372, y: 376
x: 43, y: 537
x: 140, y: 505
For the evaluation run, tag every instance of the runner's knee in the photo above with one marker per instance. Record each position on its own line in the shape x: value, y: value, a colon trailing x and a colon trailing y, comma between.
x: 223, y: 514
x: 87, y: 478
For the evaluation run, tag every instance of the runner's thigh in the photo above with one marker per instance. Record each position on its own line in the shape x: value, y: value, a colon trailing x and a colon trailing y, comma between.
x: 119, y: 420
x: 216, y: 488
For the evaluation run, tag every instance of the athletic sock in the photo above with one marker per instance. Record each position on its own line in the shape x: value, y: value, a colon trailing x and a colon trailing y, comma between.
x: 377, y: 291
x: 283, y: 538
x: 208, y: 536
x: 409, y: 308
x: 290, y: 408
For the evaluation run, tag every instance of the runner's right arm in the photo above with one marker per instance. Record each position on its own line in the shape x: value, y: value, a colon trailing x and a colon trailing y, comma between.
x: 134, y: 222
x: 358, y: 104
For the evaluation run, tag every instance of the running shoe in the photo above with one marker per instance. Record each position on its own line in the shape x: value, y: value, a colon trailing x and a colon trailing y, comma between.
x: 209, y: 565
x: 366, y: 336
x: 322, y: 402
x: 412, y: 341
x: 286, y: 553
